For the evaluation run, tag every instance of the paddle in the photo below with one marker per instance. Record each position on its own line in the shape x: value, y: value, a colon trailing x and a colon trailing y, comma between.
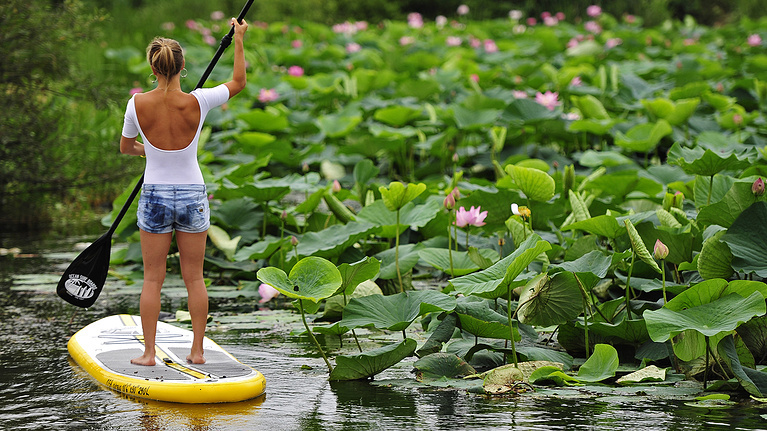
x: 84, y: 279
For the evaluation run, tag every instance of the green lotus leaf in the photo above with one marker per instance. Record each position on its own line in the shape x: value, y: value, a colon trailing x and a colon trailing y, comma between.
x: 601, y: 365
x: 644, y: 137
x: 720, y: 102
x: 701, y: 161
x: 466, y: 118
x: 269, y: 119
x: 747, y: 239
x: 368, y: 364
x: 338, y: 125
x: 499, y: 275
x: 549, y: 301
x: 478, y: 319
x: 715, y: 258
x: 595, y: 159
x: 394, y: 312
x: 312, y: 278
x: 590, y: 107
x: 526, y: 111
x: 552, y: 374
x: 410, y: 215
x: 753, y: 381
x: 398, y: 194
x: 535, y: 184
x: 441, y: 364
x: 408, y: 259
x: 675, y: 112
x: 710, y: 319
x: 352, y: 274
x: 596, y: 127
x: 255, y: 141
x: 334, y: 240
x: 462, y: 264
x: 725, y: 211
x: 602, y: 225
x: 396, y: 116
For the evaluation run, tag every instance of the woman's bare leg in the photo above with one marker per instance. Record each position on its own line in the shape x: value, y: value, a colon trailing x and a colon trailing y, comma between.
x: 191, y: 249
x: 154, y: 250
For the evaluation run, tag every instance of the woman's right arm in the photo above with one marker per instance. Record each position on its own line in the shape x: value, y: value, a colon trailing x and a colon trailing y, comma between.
x: 239, y: 79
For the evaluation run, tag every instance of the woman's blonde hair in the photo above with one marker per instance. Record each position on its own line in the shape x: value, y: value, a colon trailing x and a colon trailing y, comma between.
x: 165, y: 56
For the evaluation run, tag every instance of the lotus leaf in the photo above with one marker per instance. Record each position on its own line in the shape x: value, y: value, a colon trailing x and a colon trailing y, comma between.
x: 368, y: 364
x: 221, y: 240
x: 312, y: 278
x: 548, y: 301
x: 398, y: 194
x: 755, y: 382
x: 643, y: 138
x: 747, y: 239
x: 394, y: 312
x: 462, y: 264
x: 334, y: 240
x: 705, y: 162
x: 410, y: 215
x: 551, y: 374
x: 601, y: 365
x: 478, y: 319
x: 439, y: 364
x: 535, y: 184
x: 408, y: 259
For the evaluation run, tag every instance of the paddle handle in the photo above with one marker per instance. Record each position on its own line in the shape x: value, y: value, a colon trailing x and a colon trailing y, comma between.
x: 225, y: 42
x: 125, y: 207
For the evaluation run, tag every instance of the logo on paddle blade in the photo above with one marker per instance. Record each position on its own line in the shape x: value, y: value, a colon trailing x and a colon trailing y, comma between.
x: 80, y: 286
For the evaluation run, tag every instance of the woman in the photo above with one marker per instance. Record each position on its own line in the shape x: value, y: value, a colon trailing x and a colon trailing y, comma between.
x: 173, y: 197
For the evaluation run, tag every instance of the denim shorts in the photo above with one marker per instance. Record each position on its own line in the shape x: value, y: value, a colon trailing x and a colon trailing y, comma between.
x: 163, y: 208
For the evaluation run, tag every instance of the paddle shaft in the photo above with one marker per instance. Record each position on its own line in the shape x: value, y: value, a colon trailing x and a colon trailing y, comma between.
x: 225, y: 42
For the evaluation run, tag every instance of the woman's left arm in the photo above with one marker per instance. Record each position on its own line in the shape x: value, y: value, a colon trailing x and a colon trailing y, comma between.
x: 131, y: 146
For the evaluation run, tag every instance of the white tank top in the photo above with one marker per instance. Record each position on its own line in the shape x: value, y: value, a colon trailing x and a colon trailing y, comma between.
x: 174, y: 166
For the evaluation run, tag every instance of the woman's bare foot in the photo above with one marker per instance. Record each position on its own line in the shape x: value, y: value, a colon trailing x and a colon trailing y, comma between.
x: 195, y: 358
x: 143, y: 360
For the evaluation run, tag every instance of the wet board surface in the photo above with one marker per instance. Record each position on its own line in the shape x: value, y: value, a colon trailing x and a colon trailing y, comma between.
x: 105, y: 347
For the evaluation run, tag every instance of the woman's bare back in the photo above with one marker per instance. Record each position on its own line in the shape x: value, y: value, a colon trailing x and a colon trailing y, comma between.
x: 169, y: 120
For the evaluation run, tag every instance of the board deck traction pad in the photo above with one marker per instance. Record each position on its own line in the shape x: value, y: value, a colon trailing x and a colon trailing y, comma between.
x: 112, y: 367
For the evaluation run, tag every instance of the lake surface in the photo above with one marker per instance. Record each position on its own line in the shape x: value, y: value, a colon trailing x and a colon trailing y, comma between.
x: 41, y: 388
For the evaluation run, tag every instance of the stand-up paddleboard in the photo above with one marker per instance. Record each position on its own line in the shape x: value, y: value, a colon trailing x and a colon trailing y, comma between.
x: 105, y: 347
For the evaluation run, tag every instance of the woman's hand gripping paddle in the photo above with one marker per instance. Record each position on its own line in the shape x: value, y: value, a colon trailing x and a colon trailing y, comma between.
x: 85, y: 277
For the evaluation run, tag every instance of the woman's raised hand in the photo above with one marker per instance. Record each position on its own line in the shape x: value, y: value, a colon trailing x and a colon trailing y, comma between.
x: 239, y: 28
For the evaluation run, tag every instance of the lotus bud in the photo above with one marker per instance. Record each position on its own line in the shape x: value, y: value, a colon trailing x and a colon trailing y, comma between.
x: 660, y: 251
x: 758, y: 187
x: 293, y: 241
x: 569, y: 179
x: 305, y: 167
x: 455, y: 158
x: 284, y: 215
x: 336, y: 186
x: 449, y: 202
x: 679, y: 200
x: 456, y: 193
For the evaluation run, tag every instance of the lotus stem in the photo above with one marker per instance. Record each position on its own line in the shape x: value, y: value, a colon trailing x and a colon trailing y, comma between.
x: 628, y: 285
x: 354, y: 334
x: 450, y: 249
x: 705, y: 372
x: 511, y: 329
x: 585, y: 314
x: 311, y: 335
x: 396, y: 254
x: 710, y: 190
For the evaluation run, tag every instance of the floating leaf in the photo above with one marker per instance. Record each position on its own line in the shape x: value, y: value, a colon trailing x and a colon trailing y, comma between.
x: 553, y: 375
x: 442, y: 365
x: 700, y: 161
x: 644, y: 137
x: 647, y: 374
x: 368, y: 364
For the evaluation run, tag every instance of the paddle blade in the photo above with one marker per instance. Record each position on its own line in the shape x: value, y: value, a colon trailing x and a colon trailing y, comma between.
x: 82, y: 282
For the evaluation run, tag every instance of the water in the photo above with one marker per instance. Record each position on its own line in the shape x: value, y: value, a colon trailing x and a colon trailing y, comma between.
x: 41, y: 388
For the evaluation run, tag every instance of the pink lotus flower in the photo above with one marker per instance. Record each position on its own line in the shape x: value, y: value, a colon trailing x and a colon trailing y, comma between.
x: 216, y: 15
x: 518, y: 94
x: 441, y: 21
x: 463, y: 10
x: 550, y: 21
x: 267, y: 95
x: 531, y: 21
x: 560, y: 16
x: 758, y: 187
x: 490, y: 46
x: 296, y: 71
x: 593, y: 11
x: 576, y: 82
x: 593, y: 27
x: 754, y: 40
x: 515, y: 14
x: 472, y: 217
x: 415, y: 20
x: 296, y: 44
x: 168, y: 26
x: 613, y: 42
x: 548, y: 99
x: 406, y: 40
x: 474, y: 77
x: 192, y: 25
x: 453, y: 41
x: 136, y: 90
x: 210, y: 40
x: 352, y: 47
x: 267, y: 293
